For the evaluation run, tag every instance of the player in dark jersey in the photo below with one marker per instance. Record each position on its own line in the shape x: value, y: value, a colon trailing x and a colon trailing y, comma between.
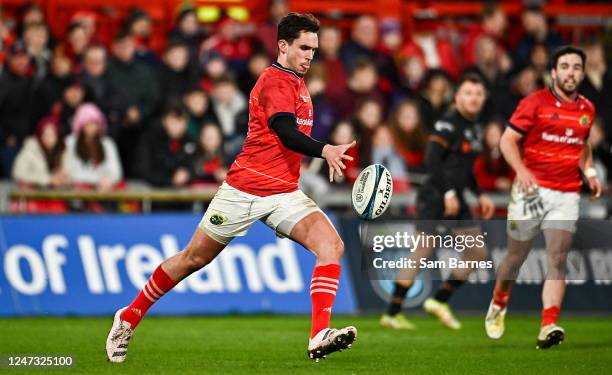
x: 453, y: 146
x: 262, y: 185
x: 552, y: 126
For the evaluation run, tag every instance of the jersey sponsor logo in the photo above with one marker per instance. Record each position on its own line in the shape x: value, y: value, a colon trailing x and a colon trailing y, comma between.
x: 304, y: 121
x: 561, y: 138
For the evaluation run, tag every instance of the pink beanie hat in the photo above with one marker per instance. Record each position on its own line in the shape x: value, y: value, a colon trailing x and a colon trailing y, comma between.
x: 86, y: 113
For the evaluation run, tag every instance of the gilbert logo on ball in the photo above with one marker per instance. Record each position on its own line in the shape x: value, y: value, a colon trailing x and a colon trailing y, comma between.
x: 372, y: 192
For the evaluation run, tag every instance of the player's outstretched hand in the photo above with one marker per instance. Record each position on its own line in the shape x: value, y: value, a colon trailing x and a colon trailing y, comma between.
x: 595, y: 187
x: 334, y: 156
x: 526, y: 181
x: 487, y: 207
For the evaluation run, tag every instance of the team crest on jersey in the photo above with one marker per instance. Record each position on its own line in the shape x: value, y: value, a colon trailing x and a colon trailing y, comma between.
x: 217, y: 219
x: 584, y: 120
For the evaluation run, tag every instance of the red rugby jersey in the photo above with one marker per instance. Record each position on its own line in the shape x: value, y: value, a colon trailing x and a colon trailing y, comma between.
x: 264, y: 166
x: 554, y: 133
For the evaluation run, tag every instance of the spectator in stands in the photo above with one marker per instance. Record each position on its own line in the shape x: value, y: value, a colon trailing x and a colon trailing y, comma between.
x: 492, y: 25
x: 364, y: 44
x: 166, y: 152
x: 266, y: 32
x: 361, y: 85
x: 363, y: 41
x: 367, y: 118
x: 73, y: 96
x: 175, y: 75
x: 214, y: 67
x: 602, y: 151
x: 140, y: 26
x: 197, y: 105
x: 344, y: 131
x: 77, y: 40
x: 40, y: 162
x: 436, y: 96
x: 92, y: 160
x: 231, y: 109
x: 36, y: 37
x: 257, y: 63
x: 411, y: 71
x: 6, y: 38
x: 188, y: 30
x: 523, y: 83
x: 209, y: 161
x: 330, y: 41
x: 136, y: 96
x: 409, y: 134
x: 232, y: 42
x: 95, y: 78
x: 325, y: 113
x: 597, y: 84
x: 491, y: 171
x: 50, y: 91
x: 391, y: 37
x: 486, y: 65
x: 385, y: 153
x: 29, y: 13
x: 433, y: 51
x: 537, y: 31
x: 15, y: 84
x: 539, y: 60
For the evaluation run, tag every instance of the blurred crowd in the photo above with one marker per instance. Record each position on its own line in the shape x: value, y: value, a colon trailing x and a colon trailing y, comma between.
x: 80, y: 111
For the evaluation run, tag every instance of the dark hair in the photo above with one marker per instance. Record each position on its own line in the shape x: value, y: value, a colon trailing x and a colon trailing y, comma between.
x: 566, y: 50
x: 489, y: 9
x: 90, y: 151
x: 472, y: 78
x: 293, y: 24
x: 361, y: 63
x: 175, y: 108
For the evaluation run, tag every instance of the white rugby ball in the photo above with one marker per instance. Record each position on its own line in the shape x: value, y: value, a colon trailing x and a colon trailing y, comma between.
x: 372, y: 192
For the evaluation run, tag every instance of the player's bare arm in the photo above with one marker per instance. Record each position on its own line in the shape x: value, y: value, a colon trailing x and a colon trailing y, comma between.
x: 509, y: 146
x: 586, y: 165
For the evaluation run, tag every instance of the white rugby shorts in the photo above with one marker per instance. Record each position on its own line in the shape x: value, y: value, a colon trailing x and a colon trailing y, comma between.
x: 232, y: 212
x: 546, y: 209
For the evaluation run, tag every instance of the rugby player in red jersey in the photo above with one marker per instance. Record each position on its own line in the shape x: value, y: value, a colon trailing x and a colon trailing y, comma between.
x: 262, y: 184
x: 552, y: 125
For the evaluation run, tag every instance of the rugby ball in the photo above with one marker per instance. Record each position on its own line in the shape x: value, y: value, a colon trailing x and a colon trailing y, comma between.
x: 372, y: 192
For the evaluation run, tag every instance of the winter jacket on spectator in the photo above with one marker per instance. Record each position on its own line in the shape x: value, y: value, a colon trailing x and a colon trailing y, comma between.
x: 41, y: 160
x: 135, y: 85
x: 84, y: 170
x: 159, y: 157
x: 15, y: 106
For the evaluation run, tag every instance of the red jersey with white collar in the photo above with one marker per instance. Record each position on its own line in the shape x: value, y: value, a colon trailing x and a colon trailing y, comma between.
x: 554, y: 133
x: 264, y: 166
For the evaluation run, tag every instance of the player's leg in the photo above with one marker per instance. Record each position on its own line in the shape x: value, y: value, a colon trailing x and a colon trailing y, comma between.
x: 200, y: 251
x: 559, y: 228
x: 298, y: 217
x: 230, y: 214
x: 521, y: 227
x: 507, y: 272
x: 438, y: 305
x: 558, y: 243
x: 316, y: 233
x: 403, y: 282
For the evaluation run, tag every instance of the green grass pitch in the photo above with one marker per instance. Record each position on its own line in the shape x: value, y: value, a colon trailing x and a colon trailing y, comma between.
x: 277, y: 345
